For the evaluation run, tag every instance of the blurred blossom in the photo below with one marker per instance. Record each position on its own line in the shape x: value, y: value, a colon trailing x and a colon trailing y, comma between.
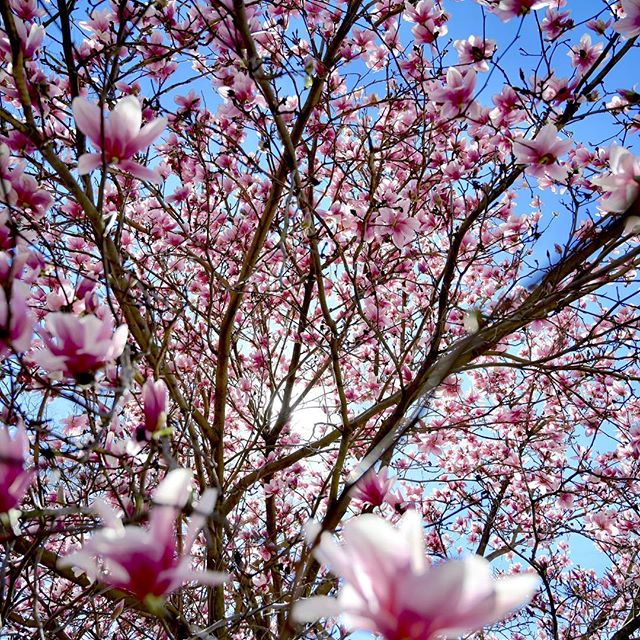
x: 622, y: 184
x: 389, y: 588
x: 146, y: 562
x: 14, y: 479
x: 78, y: 347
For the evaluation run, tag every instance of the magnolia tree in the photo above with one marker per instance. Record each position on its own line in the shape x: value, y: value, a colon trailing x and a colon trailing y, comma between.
x: 319, y: 318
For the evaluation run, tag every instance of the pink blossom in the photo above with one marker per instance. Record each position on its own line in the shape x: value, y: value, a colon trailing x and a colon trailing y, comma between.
x: 119, y: 137
x: 541, y: 154
x: 622, y: 185
x: 475, y: 51
x: 555, y: 23
x: 429, y: 19
x: 145, y: 562
x: 78, y: 347
x: 508, y: 9
x: 31, y: 38
x: 397, y: 222
x: 16, y: 321
x: 585, y: 54
x: 629, y: 26
x: 457, y: 95
x: 390, y: 589
x: 154, y: 397
x: 14, y: 480
x: 374, y: 488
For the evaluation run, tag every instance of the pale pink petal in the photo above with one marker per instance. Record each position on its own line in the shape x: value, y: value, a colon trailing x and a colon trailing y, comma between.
x: 108, y: 515
x: 139, y: 171
x: 125, y: 122
x: 169, y: 497
x: 312, y: 609
x: 88, y: 162
x: 88, y: 117
x: 201, y: 511
x: 147, y: 135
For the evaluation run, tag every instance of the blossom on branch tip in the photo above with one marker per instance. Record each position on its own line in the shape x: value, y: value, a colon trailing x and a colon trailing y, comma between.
x: 119, y: 137
x: 145, y: 561
x: 629, y: 26
x: 154, y: 398
x: 390, y: 589
x: 622, y: 184
x: 14, y: 479
x: 78, y: 347
x: 541, y: 154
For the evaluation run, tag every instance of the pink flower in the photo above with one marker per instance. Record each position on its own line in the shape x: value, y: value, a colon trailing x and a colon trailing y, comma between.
x: 154, y: 397
x: 30, y: 38
x: 508, y: 9
x: 397, y: 222
x: 16, y: 321
x: 629, y: 26
x: 145, y: 562
x: 622, y: 185
x: 429, y: 19
x: 390, y: 589
x: 14, y: 480
x: 475, y: 51
x: 78, y: 347
x: 541, y: 154
x: 119, y: 137
x: 457, y: 95
x: 375, y: 488
x: 585, y: 54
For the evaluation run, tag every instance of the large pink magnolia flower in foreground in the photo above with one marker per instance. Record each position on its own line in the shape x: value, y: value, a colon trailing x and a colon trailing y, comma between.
x: 78, y: 347
x: 629, y: 26
x: 390, y: 589
x: 622, y: 185
x: 119, y: 137
x: 14, y: 480
x: 145, y: 562
x: 541, y: 154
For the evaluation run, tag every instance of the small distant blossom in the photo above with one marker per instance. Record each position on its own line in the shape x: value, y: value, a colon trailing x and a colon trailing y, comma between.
x: 475, y: 51
x: 629, y: 26
x: 154, y: 398
x: 79, y: 347
x: 542, y: 153
x: 374, y: 488
x: 146, y: 562
x: 119, y: 137
x: 14, y: 479
x: 599, y: 26
x: 622, y: 184
x: 390, y: 589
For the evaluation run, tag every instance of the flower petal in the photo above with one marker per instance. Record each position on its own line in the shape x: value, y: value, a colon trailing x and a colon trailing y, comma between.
x: 88, y: 118
x: 312, y: 609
